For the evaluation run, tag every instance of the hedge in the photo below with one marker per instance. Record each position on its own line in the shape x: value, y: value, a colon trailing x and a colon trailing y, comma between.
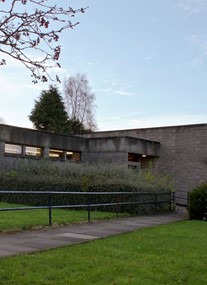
x: 15, y: 184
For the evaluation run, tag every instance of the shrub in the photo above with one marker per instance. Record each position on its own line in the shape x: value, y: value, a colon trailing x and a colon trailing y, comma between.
x: 84, y: 177
x: 197, y: 202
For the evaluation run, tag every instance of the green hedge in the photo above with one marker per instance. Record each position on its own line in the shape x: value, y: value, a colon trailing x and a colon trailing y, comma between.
x: 197, y: 202
x: 16, y: 184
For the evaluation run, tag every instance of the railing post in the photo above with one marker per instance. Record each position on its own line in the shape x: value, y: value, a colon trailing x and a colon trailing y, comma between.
x: 173, y: 200
x: 156, y: 202
x: 138, y: 205
x: 89, y: 209
x: 50, y: 211
x: 117, y: 206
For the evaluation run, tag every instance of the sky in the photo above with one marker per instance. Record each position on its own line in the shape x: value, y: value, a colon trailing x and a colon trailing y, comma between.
x: 145, y: 60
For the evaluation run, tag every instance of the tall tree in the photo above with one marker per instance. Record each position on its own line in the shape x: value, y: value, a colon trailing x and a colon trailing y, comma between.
x: 49, y: 112
x: 76, y: 127
x: 79, y: 101
x: 27, y: 25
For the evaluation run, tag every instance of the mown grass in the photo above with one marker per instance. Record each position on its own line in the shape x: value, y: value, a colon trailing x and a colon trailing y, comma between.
x: 169, y: 254
x: 28, y: 219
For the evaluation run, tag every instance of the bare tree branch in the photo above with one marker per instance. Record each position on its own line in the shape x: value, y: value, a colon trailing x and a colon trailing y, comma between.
x: 34, y: 25
x: 79, y: 101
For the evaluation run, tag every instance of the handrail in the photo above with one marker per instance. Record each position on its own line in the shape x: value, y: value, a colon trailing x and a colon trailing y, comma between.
x: 89, y: 205
x: 81, y: 193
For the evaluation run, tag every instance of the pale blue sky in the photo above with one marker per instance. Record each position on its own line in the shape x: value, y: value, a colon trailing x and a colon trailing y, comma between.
x: 146, y: 62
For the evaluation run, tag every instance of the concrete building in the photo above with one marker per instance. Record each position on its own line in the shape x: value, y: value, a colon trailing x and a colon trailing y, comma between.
x: 179, y: 151
x: 20, y: 143
x: 182, y: 154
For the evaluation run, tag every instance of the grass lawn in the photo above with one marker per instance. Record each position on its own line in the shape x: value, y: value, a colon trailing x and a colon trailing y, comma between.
x: 27, y: 219
x: 170, y: 254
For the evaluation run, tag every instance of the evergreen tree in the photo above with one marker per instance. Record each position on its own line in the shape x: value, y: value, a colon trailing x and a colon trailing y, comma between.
x: 49, y: 112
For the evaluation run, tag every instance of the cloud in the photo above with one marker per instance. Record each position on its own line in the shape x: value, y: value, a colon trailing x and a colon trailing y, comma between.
x: 15, y: 68
x: 149, y: 120
x: 191, y: 7
x: 16, y: 83
x: 113, y: 92
x: 199, y: 41
x: 113, y: 87
x: 17, y: 93
x: 196, y: 53
x: 168, y: 120
x: 127, y: 93
x: 148, y: 57
x: 93, y: 63
x: 102, y: 90
x: 110, y: 82
x: 10, y: 88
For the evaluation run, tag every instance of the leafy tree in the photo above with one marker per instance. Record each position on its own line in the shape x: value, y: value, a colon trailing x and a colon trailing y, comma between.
x: 79, y: 101
x: 49, y: 112
x: 34, y: 25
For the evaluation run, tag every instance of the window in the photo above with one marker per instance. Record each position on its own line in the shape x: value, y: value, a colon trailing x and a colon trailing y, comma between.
x: 33, y: 151
x: 13, y: 149
x: 134, y: 161
x: 134, y: 157
x: 56, y: 154
x: 70, y: 155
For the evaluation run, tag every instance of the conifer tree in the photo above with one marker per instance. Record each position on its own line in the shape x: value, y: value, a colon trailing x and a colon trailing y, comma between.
x: 49, y: 112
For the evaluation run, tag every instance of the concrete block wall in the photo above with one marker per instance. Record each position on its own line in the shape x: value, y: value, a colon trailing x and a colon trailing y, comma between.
x: 105, y: 157
x: 2, y: 144
x: 183, y: 153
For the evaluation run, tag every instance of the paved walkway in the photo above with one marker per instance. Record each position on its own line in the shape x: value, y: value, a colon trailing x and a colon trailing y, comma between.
x: 37, y: 240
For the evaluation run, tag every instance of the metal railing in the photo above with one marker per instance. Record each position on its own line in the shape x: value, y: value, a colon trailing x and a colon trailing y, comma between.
x: 170, y: 200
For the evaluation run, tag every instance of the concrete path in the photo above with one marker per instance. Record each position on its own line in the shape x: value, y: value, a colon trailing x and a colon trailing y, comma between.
x: 30, y: 241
